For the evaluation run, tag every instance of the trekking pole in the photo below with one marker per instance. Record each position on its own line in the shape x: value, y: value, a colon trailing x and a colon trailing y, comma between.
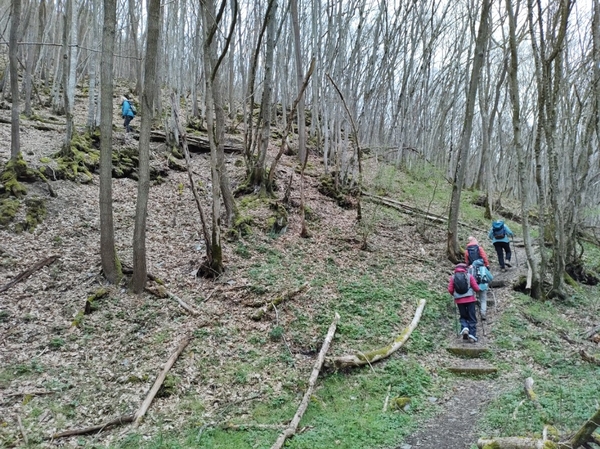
x: 482, y: 321
x: 458, y: 326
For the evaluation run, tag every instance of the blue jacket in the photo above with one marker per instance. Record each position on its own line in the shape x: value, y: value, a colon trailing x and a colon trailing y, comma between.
x: 126, y: 109
x: 507, y: 233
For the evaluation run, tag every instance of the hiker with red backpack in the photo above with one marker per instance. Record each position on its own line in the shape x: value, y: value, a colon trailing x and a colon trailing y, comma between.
x: 475, y: 258
x: 462, y: 286
x: 499, y: 234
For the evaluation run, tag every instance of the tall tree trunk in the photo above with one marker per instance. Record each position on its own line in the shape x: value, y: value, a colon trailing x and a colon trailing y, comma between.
x: 136, y: 53
x: 258, y: 174
x: 108, y: 253
x: 299, y: 80
x: 138, y: 280
x: 92, y: 71
x: 15, y: 143
x: 513, y: 85
x: 215, y: 120
x: 454, y: 253
x: 69, y: 72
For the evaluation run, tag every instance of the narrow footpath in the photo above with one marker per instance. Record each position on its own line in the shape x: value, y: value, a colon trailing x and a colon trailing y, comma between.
x: 455, y: 426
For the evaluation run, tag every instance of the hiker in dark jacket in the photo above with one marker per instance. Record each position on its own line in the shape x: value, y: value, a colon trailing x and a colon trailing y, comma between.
x: 465, y: 302
x: 499, y: 234
x: 474, y: 253
x: 127, y: 113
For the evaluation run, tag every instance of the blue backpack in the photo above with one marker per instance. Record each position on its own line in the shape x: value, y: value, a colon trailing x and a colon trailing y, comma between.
x: 498, y: 230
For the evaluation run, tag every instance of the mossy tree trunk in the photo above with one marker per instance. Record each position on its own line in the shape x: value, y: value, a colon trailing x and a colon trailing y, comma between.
x: 15, y: 143
x: 138, y: 281
x: 108, y: 253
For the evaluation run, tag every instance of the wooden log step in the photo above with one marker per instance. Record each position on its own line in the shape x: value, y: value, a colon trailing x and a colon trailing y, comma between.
x: 468, y: 350
x: 472, y: 368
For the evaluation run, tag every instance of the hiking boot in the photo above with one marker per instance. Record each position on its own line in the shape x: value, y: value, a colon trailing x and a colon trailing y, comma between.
x: 503, y: 269
x: 507, y: 263
x: 473, y: 338
x: 483, y: 318
x: 464, y: 331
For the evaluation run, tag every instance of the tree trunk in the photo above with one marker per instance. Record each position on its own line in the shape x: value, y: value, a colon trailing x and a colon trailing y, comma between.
x: 453, y: 249
x: 258, y: 175
x: 15, y: 143
x: 299, y: 81
x: 513, y: 85
x: 69, y: 72
x: 138, y: 280
x: 108, y: 253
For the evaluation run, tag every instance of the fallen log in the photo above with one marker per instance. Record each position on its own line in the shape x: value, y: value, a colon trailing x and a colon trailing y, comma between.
x: 99, y: 428
x: 582, y: 437
x: 510, y: 443
x: 27, y: 273
x: 410, y: 210
x: 361, y: 358
x: 200, y: 144
x: 137, y: 417
x: 159, y: 380
x: 291, y: 429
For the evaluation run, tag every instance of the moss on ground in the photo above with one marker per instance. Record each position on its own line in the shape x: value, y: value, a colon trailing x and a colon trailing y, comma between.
x: 8, y: 210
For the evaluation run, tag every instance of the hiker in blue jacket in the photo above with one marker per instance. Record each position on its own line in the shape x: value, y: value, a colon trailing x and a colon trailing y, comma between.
x: 499, y: 234
x: 127, y: 113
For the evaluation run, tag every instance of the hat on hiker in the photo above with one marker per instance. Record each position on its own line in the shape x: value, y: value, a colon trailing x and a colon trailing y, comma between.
x: 472, y: 240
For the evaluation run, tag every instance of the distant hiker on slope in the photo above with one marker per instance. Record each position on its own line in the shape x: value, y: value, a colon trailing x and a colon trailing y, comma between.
x: 128, y: 112
x: 477, y: 260
x: 499, y: 234
x: 462, y: 286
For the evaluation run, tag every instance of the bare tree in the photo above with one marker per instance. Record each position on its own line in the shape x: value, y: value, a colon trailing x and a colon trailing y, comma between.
x: 548, y: 50
x: 513, y: 85
x: 465, y: 138
x: 108, y: 253
x: 15, y: 143
x: 138, y: 280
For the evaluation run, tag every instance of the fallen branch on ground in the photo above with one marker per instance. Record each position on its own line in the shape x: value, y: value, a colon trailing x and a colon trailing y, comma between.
x: 589, y: 358
x: 137, y: 417
x: 533, y: 398
x: 162, y: 292
x: 361, y: 358
x: 293, y: 426
x: 99, y: 428
x: 27, y: 273
x: 257, y: 316
x: 410, y: 210
x: 159, y: 380
x: 582, y: 437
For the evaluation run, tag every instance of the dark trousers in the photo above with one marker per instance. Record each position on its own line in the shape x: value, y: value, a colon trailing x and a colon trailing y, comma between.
x: 126, y: 123
x: 468, y: 317
x: 501, y: 248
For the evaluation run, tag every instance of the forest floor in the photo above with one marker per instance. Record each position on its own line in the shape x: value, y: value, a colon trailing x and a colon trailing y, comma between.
x: 61, y: 369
